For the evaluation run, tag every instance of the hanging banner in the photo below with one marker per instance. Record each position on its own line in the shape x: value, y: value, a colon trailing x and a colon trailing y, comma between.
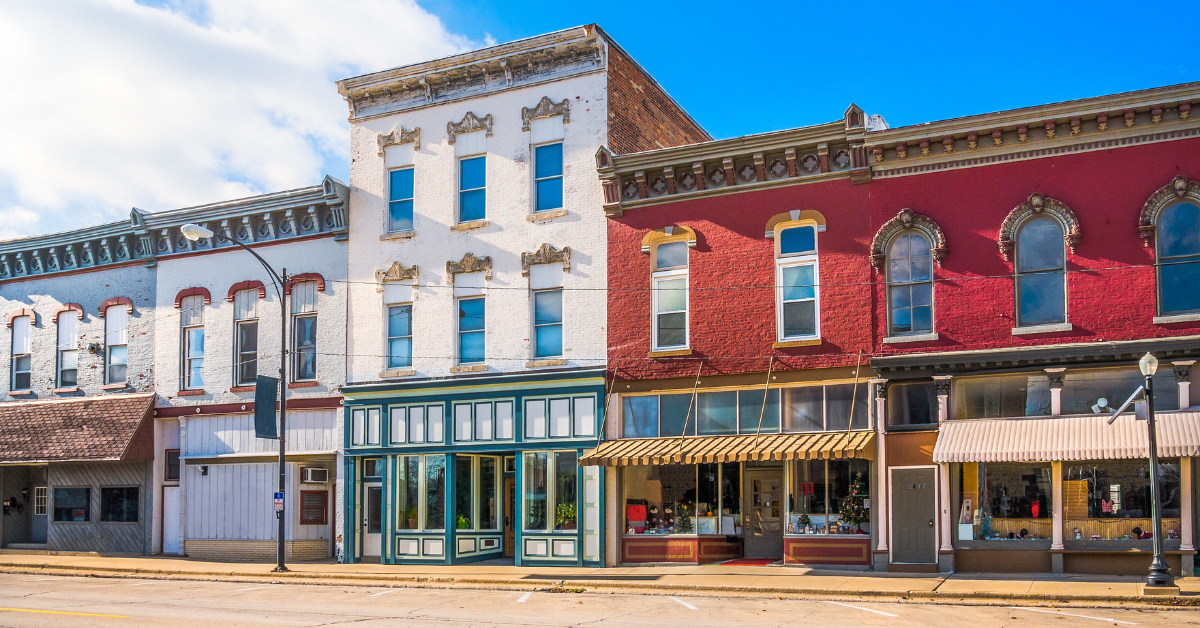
x: 265, y: 423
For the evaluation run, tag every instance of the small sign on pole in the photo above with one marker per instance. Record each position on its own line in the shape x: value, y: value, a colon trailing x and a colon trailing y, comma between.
x: 278, y: 501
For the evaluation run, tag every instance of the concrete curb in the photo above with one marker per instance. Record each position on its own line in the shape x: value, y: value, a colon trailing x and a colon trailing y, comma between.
x: 604, y: 586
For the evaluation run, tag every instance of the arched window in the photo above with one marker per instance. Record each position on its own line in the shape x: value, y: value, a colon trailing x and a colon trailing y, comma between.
x: 1041, y: 273
x: 910, y: 285
x: 1179, y: 259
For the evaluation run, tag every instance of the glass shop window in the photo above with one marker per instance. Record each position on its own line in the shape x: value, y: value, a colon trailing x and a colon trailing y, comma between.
x: 1005, y: 501
x: 373, y: 467
x: 408, y: 492
x: 1110, y: 500
x: 463, y: 492
x: 994, y: 397
x: 911, y: 405
x: 1103, y: 391
x: 435, y: 492
x: 829, y: 497
x: 683, y: 499
x: 820, y: 408
x: 72, y: 504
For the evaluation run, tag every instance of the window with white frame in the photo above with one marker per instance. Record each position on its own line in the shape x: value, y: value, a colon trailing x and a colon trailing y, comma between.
x: 669, y: 293
x: 365, y: 426
x: 421, y: 493
x: 471, y: 150
x: 797, y: 302
x: 483, y: 421
x: 414, y: 425
x: 22, y: 359
x: 476, y: 485
x: 400, y: 200
x: 116, y: 343
x: 398, y: 305
x: 191, y: 321
x: 245, y: 351
x: 68, y: 350
x: 560, y: 417
x: 546, y: 145
x: 550, y: 492
x: 1178, y: 245
x: 471, y: 333
x: 304, y: 331
x: 545, y: 284
x: 1041, y: 273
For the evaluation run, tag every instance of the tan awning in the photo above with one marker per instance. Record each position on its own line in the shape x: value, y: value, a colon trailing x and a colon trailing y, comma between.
x: 692, y: 450
x: 1066, y: 438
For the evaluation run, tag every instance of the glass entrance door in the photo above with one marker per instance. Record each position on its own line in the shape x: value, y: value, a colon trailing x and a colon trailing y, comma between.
x: 372, y: 525
x: 764, y: 537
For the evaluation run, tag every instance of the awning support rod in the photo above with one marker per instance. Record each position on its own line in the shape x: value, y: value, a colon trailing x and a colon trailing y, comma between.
x: 687, y: 420
x: 766, y: 391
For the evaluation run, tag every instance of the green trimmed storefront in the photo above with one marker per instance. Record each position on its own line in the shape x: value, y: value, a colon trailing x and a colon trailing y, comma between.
x: 448, y: 471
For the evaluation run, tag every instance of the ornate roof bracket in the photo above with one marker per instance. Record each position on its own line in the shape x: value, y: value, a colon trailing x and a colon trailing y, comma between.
x: 399, y: 135
x: 470, y: 264
x: 469, y: 124
x: 546, y: 254
x: 907, y: 220
x: 545, y: 109
x: 1179, y: 188
x: 1038, y: 204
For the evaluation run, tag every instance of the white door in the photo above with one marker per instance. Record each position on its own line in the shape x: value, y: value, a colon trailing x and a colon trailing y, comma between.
x: 171, y: 542
x: 372, y: 527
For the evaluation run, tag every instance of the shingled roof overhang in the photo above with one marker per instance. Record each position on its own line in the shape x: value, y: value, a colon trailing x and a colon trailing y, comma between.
x: 108, y: 428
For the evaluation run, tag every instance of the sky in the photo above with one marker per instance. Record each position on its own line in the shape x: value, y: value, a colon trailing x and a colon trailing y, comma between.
x: 159, y: 104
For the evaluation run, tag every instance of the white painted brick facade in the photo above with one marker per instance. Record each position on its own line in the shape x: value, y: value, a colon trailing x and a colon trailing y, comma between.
x: 509, y: 201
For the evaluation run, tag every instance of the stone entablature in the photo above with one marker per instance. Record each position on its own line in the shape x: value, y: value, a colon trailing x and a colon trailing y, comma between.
x: 549, y: 57
x: 148, y: 237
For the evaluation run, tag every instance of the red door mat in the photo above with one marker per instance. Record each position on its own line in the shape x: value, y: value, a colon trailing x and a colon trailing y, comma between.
x: 751, y: 561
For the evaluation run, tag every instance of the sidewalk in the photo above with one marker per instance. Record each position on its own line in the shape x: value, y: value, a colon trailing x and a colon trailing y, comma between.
x: 747, y: 580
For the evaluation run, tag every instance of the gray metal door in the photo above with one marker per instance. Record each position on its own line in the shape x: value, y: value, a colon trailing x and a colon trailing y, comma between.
x: 764, y: 535
x: 914, y: 515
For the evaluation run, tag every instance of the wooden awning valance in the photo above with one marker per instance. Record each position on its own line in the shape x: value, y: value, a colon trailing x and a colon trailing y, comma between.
x: 704, y: 449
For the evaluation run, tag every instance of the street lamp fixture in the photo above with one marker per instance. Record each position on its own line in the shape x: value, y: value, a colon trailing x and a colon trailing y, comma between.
x: 1160, y: 573
x: 196, y: 232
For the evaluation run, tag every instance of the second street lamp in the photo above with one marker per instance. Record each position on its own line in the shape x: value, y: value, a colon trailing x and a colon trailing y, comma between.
x: 195, y: 232
x: 1160, y: 573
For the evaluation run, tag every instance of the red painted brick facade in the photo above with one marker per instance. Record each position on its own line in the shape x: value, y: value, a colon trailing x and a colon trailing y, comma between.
x: 641, y: 116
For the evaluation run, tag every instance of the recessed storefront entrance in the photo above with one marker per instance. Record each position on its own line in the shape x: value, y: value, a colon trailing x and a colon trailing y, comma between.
x: 914, y: 516
x: 765, y: 537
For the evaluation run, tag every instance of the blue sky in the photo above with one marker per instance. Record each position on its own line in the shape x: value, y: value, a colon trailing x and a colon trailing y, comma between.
x: 161, y: 104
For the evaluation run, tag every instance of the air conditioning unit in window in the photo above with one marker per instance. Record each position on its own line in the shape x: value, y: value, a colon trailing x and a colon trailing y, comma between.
x: 315, y: 475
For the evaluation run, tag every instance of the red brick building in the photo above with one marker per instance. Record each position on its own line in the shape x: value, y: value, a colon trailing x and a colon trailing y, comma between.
x: 897, y: 348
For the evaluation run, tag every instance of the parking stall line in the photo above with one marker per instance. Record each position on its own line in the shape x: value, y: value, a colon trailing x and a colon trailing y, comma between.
x: 1043, y: 610
x: 685, y: 604
x: 383, y: 592
x: 524, y: 598
x: 860, y: 608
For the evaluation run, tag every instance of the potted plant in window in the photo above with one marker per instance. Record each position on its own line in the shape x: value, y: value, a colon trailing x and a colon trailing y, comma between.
x: 805, y: 522
x: 462, y: 523
x: 564, y: 517
x: 410, y: 518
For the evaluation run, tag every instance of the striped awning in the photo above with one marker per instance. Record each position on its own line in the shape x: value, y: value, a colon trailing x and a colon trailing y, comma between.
x: 702, y: 449
x: 1066, y: 438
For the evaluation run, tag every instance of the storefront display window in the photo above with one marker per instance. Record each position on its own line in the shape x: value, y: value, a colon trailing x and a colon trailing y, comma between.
x: 463, y: 518
x: 683, y: 499
x: 566, y: 468
x: 535, y: 471
x: 1005, y: 501
x: 1103, y: 391
x: 487, y: 493
x: 435, y: 492
x: 551, y: 495
x: 993, y: 397
x: 830, y: 497
x: 408, y: 500
x: 1110, y: 499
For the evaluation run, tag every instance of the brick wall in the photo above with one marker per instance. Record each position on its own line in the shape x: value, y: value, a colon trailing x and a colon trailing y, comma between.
x: 641, y: 116
x: 254, y: 551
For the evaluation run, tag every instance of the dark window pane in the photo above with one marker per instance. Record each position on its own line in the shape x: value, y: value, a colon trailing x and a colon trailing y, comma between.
x: 566, y: 474
x: 402, y: 184
x: 172, y: 470
x: 640, y: 416
x: 473, y: 173
x: 487, y: 494
x: 1040, y: 245
x: 1179, y: 231
x: 471, y: 205
x: 672, y: 330
x: 1000, y: 396
x: 670, y: 255
x: 72, y: 504
x: 800, y: 318
x: 549, y: 160
x: 750, y: 410
x: 435, y: 492
x: 535, y: 472
x: 463, y: 519
x: 119, y: 505
x: 674, y: 415
x: 1180, y: 279
x: 803, y: 409
x: 549, y: 194
x: 839, y: 407
x: 913, y: 403
x: 797, y: 240
x: 1042, y: 298
x: 312, y: 507
x: 716, y: 413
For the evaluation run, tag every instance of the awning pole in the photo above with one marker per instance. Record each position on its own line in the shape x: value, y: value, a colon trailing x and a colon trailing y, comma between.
x: 608, y: 386
x: 766, y: 391
x: 687, y: 420
x: 854, y: 395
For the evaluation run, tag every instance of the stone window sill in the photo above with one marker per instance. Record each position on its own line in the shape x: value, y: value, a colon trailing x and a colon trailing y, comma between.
x: 1041, y: 329
x: 788, y: 344
x: 191, y: 393
x: 473, y: 368
x: 534, y: 364
x: 302, y: 385
x: 471, y: 226
x: 547, y: 215
x: 242, y: 389
x: 121, y: 386
x: 399, y: 235
x: 891, y: 340
x: 1177, y: 318
x: 67, y: 390
x: 670, y: 353
x: 20, y: 393
x: 396, y: 374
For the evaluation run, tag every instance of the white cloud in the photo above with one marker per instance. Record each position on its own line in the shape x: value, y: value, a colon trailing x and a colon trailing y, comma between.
x: 110, y: 104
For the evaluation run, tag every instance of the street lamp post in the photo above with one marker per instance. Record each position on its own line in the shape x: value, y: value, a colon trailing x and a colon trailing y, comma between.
x: 195, y: 232
x: 1160, y: 573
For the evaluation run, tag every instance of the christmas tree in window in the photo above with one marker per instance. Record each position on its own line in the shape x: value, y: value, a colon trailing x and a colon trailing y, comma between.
x: 854, y: 508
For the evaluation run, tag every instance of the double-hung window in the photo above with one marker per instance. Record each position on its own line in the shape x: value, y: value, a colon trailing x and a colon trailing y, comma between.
x: 116, y: 343
x: 669, y: 296
x: 22, y: 359
x: 1179, y: 259
x: 548, y: 176
x: 398, y: 300
x: 798, y: 301
x: 1041, y: 273
x: 910, y: 285
x: 400, y: 200
x: 545, y: 283
x: 245, y: 355
x: 68, y: 349
x: 191, y: 320
x: 304, y: 331
x: 471, y: 150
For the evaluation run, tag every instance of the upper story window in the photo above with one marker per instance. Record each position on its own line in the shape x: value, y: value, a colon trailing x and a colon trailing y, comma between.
x: 68, y: 349
x: 397, y: 298
x: 304, y: 331
x: 483, y: 421
x: 564, y: 417
x: 797, y: 302
x: 1179, y: 259
x: 912, y: 405
x: 415, y: 424
x: 191, y: 321
x: 22, y: 360
x: 546, y: 299
x: 910, y: 285
x: 1041, y: 273
x: 400, y: 200
x: 245, y: 353
x: 471, y: 332
x: 116, y: 344
x: 548, y: 176
x: 471, y: 150
x: 670, y: 296
x: 365, y: 426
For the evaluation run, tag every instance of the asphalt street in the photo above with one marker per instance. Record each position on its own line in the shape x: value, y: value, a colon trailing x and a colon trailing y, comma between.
x: 28, y: 600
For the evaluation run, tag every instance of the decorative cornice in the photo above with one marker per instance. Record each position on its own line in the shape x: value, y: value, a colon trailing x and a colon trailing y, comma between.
x: 249, y: 284
x: 399, y: 135
x: 469, y: 124
x: 396, y: 272
x: 470, y: 264
x: 1037, y: 205
x: 545, y: 109
x: 1178, y: 189
x: 126, y: 301
x: 907, y: 220
x: 192, y: 292
x: 69, y: 307
x: 19, y: 312
x: 303, y: 277
x: 546, y: 254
